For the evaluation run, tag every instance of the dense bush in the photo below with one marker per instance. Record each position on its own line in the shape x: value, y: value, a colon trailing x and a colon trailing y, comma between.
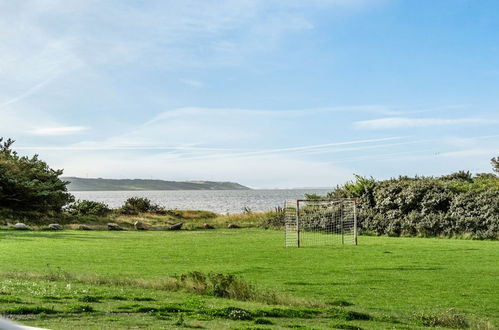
x: 458, y: 204
x: 28, y: 186
x: 84, y: 207
x: 275, y: 219
x: 136, y: 205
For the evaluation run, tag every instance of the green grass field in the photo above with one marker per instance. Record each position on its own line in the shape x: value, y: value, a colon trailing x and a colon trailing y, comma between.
x: 100, y: 279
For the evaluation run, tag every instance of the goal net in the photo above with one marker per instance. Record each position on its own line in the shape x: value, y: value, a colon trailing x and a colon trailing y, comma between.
x: 320, y: 222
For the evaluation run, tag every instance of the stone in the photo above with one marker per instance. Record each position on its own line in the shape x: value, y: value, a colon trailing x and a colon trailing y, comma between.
x: 176, y: 226
x: 233, y: 225
x: 113, y: 226
x: 21, y: 226
x: 84, y: 227
x: 140, y: 225
x: 55, y: 226
x: 208, y: 226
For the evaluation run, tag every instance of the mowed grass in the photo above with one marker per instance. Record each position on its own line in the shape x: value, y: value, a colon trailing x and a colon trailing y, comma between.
x: 401, y: 283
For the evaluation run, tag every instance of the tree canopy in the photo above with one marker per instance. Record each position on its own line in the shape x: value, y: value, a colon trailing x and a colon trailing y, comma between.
x: 28, y: 185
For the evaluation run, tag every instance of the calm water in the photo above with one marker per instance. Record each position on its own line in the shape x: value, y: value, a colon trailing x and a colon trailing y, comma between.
x: 220, y: 201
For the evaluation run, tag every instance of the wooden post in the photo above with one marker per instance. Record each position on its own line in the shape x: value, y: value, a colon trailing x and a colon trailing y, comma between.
x: 355, y: 222
x: 298, y: 223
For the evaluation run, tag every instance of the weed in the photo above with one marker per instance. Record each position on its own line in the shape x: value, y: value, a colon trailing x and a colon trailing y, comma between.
x: 26, y: 310
x: 263, y: 321
x: 145, y: 309
x: 80, y: 309
x: 180, y: 320
x: 348, y: 315
x: 344, y: 326
x: 224, y: 286
x: 387, y: 319
x: 340, y: 303
x: 143, y: 299
x: 10, y: 300
x: 288, y: 313
x: 129, y: 307
x: 231, y: 313
x: 136, y: 308
x: 89, y: 299
x: 448, y: 319
x: 51, y: 298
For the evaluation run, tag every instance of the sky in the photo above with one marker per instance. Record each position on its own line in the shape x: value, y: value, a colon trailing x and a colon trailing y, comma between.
x: 267, y: 93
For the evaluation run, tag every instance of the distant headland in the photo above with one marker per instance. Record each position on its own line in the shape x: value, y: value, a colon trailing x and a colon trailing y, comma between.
x: 94, y: 184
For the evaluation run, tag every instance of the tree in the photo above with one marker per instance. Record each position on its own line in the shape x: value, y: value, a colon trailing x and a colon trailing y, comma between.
x: 28, y: 185
x: 495, y: 164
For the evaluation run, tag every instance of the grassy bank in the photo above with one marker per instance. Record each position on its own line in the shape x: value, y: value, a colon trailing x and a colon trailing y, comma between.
x: 100, y: 279
x: 191, y: 219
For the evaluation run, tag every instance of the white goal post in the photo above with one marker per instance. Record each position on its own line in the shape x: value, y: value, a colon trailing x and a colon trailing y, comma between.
x: 320, y: 222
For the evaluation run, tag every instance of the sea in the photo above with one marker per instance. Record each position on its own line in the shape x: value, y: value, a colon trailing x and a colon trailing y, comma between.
x: 220, y: 201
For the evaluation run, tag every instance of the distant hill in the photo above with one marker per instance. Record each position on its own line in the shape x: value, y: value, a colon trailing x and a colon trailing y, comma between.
x: 84, y: 184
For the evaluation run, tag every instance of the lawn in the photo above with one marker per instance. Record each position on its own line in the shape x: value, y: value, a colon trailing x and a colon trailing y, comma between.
x: 101, y: 279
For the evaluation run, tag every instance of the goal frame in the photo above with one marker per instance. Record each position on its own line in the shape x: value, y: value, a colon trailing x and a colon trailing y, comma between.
x: 297, y: 232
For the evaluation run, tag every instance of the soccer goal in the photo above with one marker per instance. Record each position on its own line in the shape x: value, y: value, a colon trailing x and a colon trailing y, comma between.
x: 320, y: 222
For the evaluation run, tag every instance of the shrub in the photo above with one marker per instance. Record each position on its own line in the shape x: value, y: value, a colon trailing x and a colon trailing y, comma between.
x: 458, y: 204
x: 84, y: 207
x: 136, y: 205
x: 275, y: 219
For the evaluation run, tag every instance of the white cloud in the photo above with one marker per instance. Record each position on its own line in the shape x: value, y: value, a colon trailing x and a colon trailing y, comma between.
x: 67, y: 130
x: 404, y: 122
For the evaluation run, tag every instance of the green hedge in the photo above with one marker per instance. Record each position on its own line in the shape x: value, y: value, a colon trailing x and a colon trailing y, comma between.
x: 453, y: 205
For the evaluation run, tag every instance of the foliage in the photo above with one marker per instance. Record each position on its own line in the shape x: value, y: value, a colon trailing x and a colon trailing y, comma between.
x: 85, y: 207
x: 28, y: 186
x: 458, y: 204
x: 136, y: 205
x: 495, y: 164
x: 313, y: 196
x: 275, y: 219
x: 223, y: 286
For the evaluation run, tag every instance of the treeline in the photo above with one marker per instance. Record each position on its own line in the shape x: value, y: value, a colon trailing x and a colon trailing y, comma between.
x: 455, y: 205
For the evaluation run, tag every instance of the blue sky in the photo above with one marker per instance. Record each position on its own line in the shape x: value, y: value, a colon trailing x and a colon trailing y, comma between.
x: 267, y: 93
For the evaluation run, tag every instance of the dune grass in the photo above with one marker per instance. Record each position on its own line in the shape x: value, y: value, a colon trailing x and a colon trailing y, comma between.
x: 86, y: 280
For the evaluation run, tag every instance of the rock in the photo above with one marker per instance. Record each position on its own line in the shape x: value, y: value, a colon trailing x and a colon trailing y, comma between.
x: 233, y: 225
x: 140, y: 225
x: 55, y: 226
x: 208, y: 226
x: 113, y: 226
x: 176, y: 226
x: 21, y: 226
x: 84, y: 227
